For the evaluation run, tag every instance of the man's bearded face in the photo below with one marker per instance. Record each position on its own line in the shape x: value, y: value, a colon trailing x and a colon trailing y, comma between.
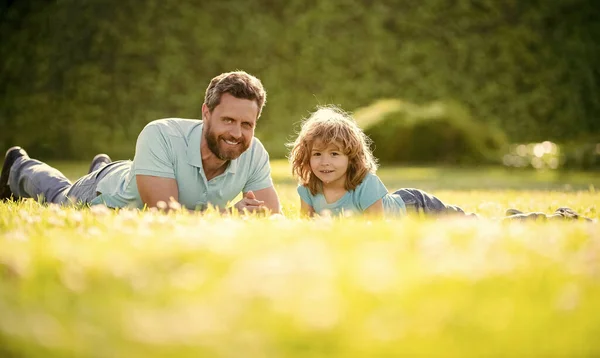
x: 225, y: 146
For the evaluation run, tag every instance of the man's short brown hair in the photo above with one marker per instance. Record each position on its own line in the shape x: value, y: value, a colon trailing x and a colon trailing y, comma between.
x: 238, y: 84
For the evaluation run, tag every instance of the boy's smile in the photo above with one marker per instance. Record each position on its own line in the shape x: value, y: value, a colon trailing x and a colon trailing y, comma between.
x: 329, y: 164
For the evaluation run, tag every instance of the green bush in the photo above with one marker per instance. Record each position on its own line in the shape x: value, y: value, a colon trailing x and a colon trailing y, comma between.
x: 438, y: 132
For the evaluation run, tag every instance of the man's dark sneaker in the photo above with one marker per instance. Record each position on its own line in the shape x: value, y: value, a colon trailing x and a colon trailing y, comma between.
x: 98, y: 162
x: 11, y: 156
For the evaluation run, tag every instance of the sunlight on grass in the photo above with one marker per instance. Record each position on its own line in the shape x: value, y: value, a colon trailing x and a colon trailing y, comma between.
x: 124, y: 283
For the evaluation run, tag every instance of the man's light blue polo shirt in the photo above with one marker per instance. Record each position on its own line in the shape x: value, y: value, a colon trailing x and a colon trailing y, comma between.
x: 170, y: 148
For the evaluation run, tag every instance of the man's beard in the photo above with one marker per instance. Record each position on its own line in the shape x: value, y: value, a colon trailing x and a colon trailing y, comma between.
x: 213, y: 141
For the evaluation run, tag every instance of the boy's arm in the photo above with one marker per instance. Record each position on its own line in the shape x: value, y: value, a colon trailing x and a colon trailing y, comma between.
x: 306, y: 210
x: 376, y: 209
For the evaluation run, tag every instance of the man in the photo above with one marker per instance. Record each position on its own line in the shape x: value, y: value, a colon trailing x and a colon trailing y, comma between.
x: 196, y: 163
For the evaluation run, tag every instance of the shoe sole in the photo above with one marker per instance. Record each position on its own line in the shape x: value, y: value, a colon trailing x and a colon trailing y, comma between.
x: 99, y: 159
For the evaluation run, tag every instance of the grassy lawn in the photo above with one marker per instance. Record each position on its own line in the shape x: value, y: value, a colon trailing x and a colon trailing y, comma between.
x: 432, y: 178
x: 488, y: 191
x: 101, y: 283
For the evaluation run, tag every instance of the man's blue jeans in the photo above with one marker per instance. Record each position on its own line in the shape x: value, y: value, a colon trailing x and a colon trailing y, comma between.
x: 30, y: 178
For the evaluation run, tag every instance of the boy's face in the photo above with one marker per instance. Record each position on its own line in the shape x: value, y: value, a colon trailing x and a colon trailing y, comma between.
x: 329, y: 164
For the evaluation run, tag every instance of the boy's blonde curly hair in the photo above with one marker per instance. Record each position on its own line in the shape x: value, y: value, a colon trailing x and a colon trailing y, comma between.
x: 329, y: 125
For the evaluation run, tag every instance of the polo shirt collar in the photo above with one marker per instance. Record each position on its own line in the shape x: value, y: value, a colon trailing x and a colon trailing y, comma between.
x: 193, y: 150
x: 232, y: 167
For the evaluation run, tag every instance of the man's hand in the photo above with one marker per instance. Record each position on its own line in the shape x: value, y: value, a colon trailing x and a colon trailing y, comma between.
x: 250, y: 203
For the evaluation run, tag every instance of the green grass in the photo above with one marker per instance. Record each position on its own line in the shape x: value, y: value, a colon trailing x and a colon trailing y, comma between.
x: 101, y: 283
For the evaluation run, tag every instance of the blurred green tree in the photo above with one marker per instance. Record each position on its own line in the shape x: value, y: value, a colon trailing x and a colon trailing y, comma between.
x: 81, y: 77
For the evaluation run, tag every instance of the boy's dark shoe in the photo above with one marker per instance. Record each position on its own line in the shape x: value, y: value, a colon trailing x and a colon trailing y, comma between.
x: 511, y: 212
x: 10, y: 158
x: 559, y: 214
x: 570, y: 214
x: 99, y: 161
x: 518, y: 215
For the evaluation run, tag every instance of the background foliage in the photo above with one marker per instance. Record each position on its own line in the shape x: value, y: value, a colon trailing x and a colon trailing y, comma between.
x: 438, y: 132
x: 81, y: 77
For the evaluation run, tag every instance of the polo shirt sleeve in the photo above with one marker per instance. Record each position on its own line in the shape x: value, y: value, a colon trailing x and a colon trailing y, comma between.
x: 305, y: 195
x: 154, y: 153
x: 369, y: 191
x: 260, y: 169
